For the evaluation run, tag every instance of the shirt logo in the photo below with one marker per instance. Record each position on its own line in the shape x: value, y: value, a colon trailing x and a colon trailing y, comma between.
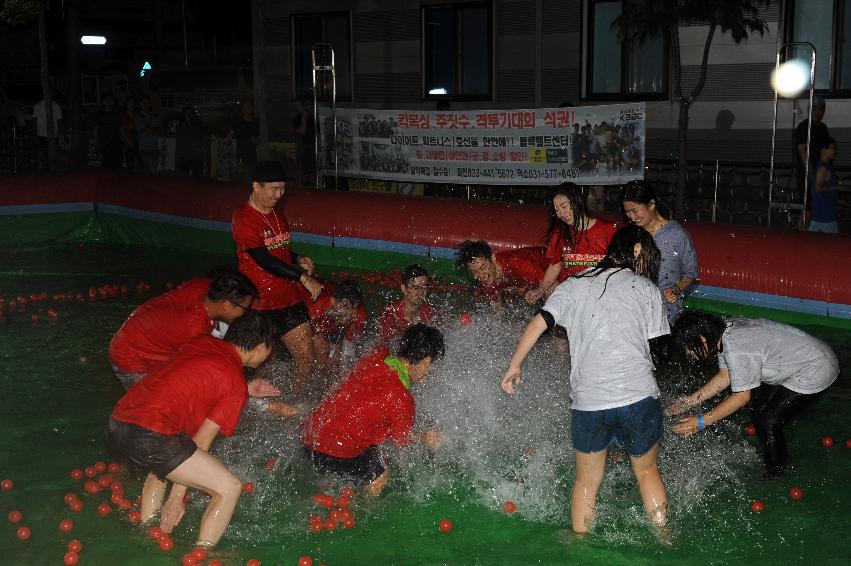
x: 581, y: 260
x: 275, y: 241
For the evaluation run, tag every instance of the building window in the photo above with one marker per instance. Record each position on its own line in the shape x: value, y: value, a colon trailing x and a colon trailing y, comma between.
x: 457, y: 51
x: 618, y: 68
x: 310, y: 29
x: 827, y: 25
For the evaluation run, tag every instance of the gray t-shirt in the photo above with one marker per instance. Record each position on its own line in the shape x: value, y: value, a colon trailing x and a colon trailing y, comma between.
x: 678, y: 260
x: 756, y: 351
x: 609, y: 318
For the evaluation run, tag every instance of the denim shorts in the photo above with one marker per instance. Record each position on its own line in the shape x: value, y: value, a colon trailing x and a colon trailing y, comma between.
x: 636, y: 427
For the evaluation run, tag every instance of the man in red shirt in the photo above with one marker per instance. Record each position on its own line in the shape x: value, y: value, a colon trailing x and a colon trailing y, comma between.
x: 373, y: 405
x: 166, y: 423
x: 338, y: 317
x: 262, y: 238
x: 157, y: 329
x: 411, y: 308
x: 503, y: 275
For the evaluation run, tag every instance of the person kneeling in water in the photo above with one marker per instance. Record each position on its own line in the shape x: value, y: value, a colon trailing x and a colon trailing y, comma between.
x: 774, y: 367
x: 344, y: 432
x: 166, y: 423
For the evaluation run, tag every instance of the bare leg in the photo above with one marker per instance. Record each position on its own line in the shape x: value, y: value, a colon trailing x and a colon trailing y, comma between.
x: 152, y: 496
x: 321, y: 349
x: 374, y: 489
x: 583, y: 502
x: 202, y: 471
x: 299, y: 343
x: 650, y: 486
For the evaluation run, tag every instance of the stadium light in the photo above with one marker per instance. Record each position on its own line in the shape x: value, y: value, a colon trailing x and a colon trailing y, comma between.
x: 440, y: 90
x: 93, y: 40
x: 791, y: 78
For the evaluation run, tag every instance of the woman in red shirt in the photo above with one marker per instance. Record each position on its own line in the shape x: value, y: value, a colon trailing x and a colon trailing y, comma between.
x: 575, y: 240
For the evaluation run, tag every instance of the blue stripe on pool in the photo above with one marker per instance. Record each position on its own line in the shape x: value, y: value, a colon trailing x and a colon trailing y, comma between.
x: 16, y: 209
x: 752, y: 298
x: 163, y: 218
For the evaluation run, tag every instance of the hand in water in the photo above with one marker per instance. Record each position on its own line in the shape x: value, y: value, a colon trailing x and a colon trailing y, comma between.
x: 172, y: 513
x: 510, y: 381
x: 534, y: 295
x: 687, y: 426
x: 670, y: 296
x: 677, y: 407
x: 262, y: 388
x: 433, y: 439
x: 282, y: 409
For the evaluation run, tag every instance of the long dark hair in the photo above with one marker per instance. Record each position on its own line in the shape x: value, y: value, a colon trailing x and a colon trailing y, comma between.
x: 621, y: 255
x: 642, y: 192
x: 573, y: 194
x: 690, y: 327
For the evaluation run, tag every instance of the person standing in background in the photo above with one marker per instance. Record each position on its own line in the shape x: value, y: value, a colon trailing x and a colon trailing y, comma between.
x: 108, y: 133
x: 189, y: 150
x: 148, y: 127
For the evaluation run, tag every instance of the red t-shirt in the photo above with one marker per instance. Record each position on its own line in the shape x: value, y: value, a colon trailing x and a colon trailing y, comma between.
x: 253, y: 229
x: 204, y: 380
x: 589, y: 247
x: 392, y: 322
x: 323, y: 323
x: 159, y: 327
x: 522, y: 271
x: 370, y: 407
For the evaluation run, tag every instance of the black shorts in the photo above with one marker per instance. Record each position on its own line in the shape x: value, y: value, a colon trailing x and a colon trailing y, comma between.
x: 151, y: 451
x: 364, y: 468
x: 289, y: 317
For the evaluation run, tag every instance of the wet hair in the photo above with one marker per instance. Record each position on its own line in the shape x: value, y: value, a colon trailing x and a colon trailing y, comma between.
x: 573, y: 194
x: 690, y: 327
x: 621, y: 254
x: 412, y: 272
x: 469, y: 250
x: 348, y: 290
x: 642, y: 192
x: 228, y: 284
x: 420, y: 342
x: 252, y: 329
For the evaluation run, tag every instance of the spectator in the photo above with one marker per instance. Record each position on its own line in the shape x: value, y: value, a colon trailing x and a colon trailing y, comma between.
x: 305, y: 130
x: 246, y: 131
x: 818, y: 135
x: 825, y: 190
x: 148, y: 126
x: 129, y: 140
x: 108, y: 133
x: 189, y: 150
x: 40, y: 116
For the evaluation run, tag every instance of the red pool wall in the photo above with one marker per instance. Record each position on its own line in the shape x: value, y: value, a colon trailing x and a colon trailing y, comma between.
x: 801, y: 265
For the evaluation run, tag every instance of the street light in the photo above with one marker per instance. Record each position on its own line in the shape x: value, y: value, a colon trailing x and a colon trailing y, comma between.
x: 93, y: 40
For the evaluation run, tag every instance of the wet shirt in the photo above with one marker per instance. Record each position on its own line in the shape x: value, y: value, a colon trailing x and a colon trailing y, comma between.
x: 756, y: 351
x: 204, y: 380
x: 253, y: 229
x: 157, y: 329
x: 609, y: 318
x: 324, y: 323
x: 371, y: 407
x: 392, y: 322
x: 522, y: 270
x: 678, y: 260
x: 588, y: 248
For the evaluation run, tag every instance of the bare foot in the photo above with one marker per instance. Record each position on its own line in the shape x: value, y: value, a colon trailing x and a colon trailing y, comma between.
x: 569, y: 536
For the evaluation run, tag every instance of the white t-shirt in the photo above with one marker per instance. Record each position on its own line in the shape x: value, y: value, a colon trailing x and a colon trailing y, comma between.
x: 40, y: 115
x: 757, y: 351
x: 608, y: 332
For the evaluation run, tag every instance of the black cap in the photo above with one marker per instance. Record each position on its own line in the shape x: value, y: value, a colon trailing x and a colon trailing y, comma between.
x: 270, y: 172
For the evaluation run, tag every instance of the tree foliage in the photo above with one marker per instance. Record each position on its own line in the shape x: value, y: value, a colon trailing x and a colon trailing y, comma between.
x: 19, y: 12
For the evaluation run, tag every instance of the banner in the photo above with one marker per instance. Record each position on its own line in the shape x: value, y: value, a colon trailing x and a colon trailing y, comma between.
x: 587, y: 145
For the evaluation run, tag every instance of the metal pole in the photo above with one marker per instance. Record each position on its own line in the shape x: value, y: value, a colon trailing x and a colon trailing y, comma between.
x: 715, y: 197
x: 185, y: 45
x: 323, y: 66
x: 315, y: 117
x: 783, y: 49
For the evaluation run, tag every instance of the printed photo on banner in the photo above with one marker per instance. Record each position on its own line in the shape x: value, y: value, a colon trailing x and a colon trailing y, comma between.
x: 592, y: 145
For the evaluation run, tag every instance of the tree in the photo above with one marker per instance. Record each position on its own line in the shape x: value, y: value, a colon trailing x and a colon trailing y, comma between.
x: 643, y: 19
x: 19, y: 12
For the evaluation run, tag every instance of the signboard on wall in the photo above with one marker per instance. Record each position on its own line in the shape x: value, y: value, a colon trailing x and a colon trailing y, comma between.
x: 589, y: 145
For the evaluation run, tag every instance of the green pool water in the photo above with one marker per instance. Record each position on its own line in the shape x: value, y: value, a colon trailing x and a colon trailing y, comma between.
x: 58, y: 389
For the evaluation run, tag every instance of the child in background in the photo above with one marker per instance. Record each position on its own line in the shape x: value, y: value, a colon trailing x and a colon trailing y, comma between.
x: 413, y: 307
x: 339, y: 319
